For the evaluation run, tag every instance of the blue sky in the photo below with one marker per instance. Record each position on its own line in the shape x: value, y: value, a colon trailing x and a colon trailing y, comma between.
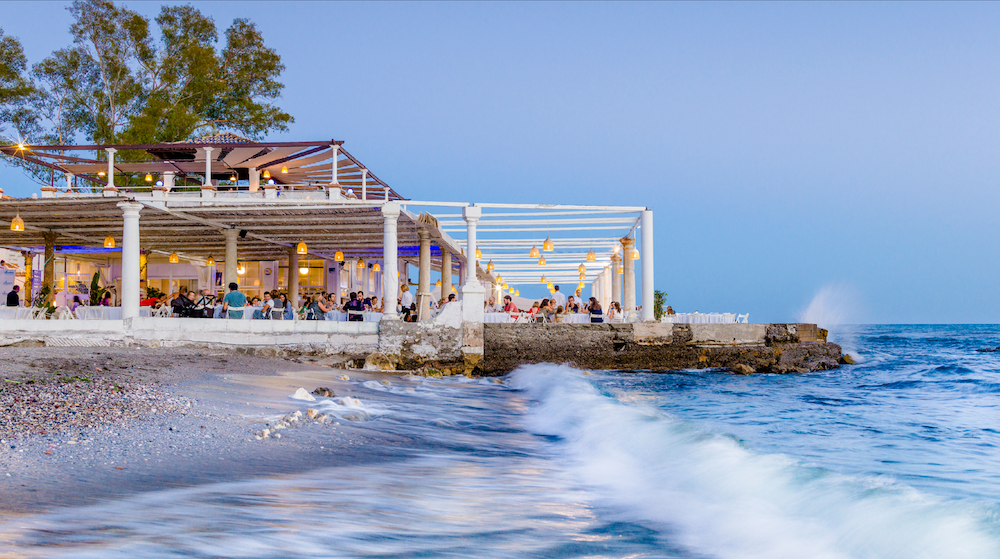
x: 784, y: 148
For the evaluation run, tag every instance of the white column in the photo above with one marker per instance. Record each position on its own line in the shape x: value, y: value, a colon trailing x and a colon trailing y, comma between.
x: 230, y: 275
x: 628, y: 279
x: 364, y: 184
x: 334, y: 188
x: 69, y: 182
x: 110, y: 189
x: 646, y: 226
x: 390, y: 255
x: 208, y: 167
x: 293, y: 277
x: 130, y: 259
x: 616, y: 279
x: 424, y: 277
x: 445, y: 273
x: 473, y: 293
x: 254, y: 179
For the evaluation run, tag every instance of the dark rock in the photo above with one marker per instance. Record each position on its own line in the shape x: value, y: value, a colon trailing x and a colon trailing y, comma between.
x: 846, y: 359
x: 988, y: 350
x: 743, y: 369
x: 325, y: 392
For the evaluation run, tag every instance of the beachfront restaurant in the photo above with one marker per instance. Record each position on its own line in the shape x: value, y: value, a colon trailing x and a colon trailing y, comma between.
x: 301, y: 218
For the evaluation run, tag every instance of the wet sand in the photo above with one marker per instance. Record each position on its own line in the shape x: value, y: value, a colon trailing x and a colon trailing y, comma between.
x: 232, y: 398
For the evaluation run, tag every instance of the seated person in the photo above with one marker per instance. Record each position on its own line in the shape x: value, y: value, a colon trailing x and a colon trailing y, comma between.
x: 572, y: 305
x: 355, y: 305
x: 492, y: 306
x: 509, y: 306
x: 670, y: 310
x: 234, y: 301
x: 182, y: 305
x: 595, y: 310
x: 559, y: 314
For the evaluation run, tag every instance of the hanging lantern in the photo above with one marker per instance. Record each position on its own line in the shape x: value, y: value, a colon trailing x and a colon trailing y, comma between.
x: 591, y: 256
x: 621, y: 269
x: 149, y: 177
x: 376, y: 268
x: 479, y: 254
x: 635, y: 254
x: 109, y: 242
x: 552, y: 291
x: 489, y: 266
x: 547, y: 245
x: 503, y: 286
x: 499, y: 279
x: 580, y: 287
x: 517, y: 292
x: 304, y: 270
x: 361, y: 263
x: 582, y: 269
x: 17, y: 224
x: 210, y: 261
x: 301, y: 248
x: 101, y: 174
x: 534, y: 252
x: 232, y: 177
x: 543, y: 280
x: 241, y: 268
x: 284, y: 170
x: 453, y: 290
x: 551, y: 287
x: 267, y: 174
x: 583, y: 275
x: 174, y: 258
x: 541, y: 261
x: 438, y: 283
x: 339, y: 257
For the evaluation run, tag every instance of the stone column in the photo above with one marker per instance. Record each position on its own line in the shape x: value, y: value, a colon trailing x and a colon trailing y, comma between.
x: 445, y: 273
x: 292, y: 281
x: 364, y: 184
x: 628, y: 297
x: 230, y: 274
x: 29, y: 277
x: 616, y: 279
x: 49, y: 265
x: 424, y: 275
x: 646, y: 226
x: 130, y: 259
x: 473, y: 293
x: 333, y: 189
x: 207, y: 188
x: 390, y: 255
x: 110, y: 189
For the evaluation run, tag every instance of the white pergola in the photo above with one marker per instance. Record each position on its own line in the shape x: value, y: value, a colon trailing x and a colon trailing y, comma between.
x: 259, y: 201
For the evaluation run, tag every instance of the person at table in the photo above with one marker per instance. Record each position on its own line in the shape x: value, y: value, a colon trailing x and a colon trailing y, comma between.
x: 76, y: 303
x: 509, y: 306
x: 234, y: 301
x: 287, y: 305
x: 670, y: 310
x: 355, y: 308
x: 492, y: 306
x: 451, y: 298
x: 614, y: 310
x: 595, y: 310
x: 559, y: 314
x: 571, y: 305
x: 375, y: 305
x: 13, y: 298
x: 559, y: 298
x: 319, y: 308
x: 106, y: 300
x: 265, y: 311
x: 183, y: 304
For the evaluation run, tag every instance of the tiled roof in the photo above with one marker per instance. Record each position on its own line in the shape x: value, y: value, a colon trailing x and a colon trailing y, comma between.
x: 223, y: 138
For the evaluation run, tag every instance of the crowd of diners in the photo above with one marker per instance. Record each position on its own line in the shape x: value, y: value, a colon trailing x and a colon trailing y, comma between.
x: 557, y: 307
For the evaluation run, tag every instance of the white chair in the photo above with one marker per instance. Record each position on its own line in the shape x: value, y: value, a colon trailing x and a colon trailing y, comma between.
x: 38, y: 313
x: 728, y: 318
x: 63, y: 313
x: 743, y: 318
x: 163, y: 311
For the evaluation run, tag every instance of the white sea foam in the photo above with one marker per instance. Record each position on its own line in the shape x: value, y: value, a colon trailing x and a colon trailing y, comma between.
x: 836, y: 307
x: 351, y: 409
x: 725, y: 500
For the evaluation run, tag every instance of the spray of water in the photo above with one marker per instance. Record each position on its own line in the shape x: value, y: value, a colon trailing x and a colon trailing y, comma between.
x: 835, y: 307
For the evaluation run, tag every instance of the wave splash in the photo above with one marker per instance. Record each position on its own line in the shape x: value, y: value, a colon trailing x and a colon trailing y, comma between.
x: 724, y: 500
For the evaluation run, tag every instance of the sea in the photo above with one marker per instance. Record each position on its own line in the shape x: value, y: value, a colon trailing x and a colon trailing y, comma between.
x: 896, y: 456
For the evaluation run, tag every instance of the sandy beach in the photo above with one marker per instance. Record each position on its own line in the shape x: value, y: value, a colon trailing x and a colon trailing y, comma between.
x: 81, y: 425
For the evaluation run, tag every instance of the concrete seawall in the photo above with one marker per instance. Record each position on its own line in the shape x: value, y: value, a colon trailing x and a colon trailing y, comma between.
x: 451, y: 346
x: 746, y: 348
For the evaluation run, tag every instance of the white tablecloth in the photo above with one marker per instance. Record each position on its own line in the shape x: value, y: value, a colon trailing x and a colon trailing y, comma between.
x: 105, y: 313
x: 15, y: 313
x: 700, y: 318
x: 497, y: 317
x: 247, y: 312
x: 341, y: 316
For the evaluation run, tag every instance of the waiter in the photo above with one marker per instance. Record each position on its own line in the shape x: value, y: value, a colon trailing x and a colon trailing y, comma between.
x: 13, y: 299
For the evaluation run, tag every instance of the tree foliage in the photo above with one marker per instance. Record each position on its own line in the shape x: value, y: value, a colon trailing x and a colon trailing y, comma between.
x: 659, y: 301
x: 124, y: 81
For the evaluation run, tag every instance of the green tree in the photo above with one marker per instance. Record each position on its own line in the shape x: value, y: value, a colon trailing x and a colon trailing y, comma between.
x: 121, y: 82
x: 659, y: 301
